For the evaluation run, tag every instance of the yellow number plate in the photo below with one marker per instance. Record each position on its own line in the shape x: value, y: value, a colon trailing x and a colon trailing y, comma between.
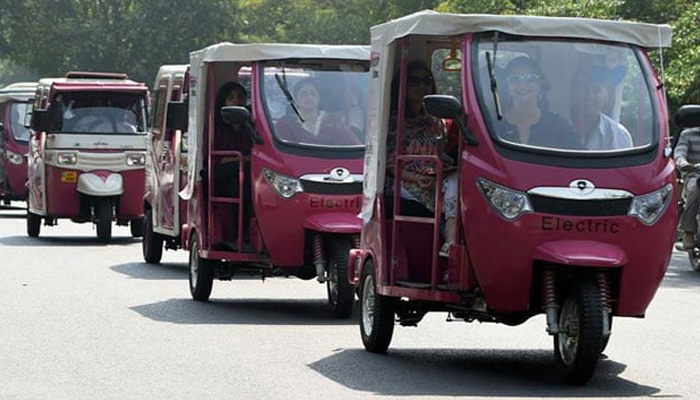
x: 69, y: 176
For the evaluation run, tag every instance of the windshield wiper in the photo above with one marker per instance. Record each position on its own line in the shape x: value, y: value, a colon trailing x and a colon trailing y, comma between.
x: 282, y: 82
x: 490, y: 62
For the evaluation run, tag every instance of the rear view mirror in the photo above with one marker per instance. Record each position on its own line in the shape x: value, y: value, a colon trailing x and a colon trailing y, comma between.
x: 177, y: 116
x: 240, y: 116
x: 45, y: 120
x: 688, y: 116
x: 442, y: 106
x: 235, y: 115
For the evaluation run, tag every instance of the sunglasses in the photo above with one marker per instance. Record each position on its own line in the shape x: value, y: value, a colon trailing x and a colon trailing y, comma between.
x: 525, y: 78
x: 417, y: 80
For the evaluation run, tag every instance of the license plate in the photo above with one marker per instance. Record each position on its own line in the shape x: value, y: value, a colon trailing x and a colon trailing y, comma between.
x: 69, y: 176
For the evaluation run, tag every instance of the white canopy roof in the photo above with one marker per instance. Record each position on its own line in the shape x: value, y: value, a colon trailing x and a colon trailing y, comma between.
x: 21, y: 91
x: 277, y: 51
x: 433, y: 23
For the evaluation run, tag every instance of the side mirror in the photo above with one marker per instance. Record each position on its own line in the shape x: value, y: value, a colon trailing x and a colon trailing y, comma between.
x: 442, y: 106
x: 240, y: 116
x: 45, y: 120
x: 176, y: 118
x: 448, y: 107
x: 688, y: 116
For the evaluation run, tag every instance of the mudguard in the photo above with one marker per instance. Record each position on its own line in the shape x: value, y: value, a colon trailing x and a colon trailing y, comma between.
x: 100, y: 184
x: 582, y: 253
x: 334, y: 223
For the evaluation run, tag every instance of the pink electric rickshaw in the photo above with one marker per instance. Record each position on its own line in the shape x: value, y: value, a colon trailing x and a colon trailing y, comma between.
x: 87, y: 152
x: 287, y: 204
x: 15, y: 101
x: 166, y: 168
x: 576, y: 231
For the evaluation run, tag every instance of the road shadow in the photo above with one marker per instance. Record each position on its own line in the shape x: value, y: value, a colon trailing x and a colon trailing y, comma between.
x: 56, y: 241
x: 13, y: 213
x: 243, y: 312
x: 472, y: 373
x: 680, y: 274
x: 162, y: 271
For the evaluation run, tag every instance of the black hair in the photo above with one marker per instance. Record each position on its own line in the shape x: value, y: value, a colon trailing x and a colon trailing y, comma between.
x: 223, y: 93
x: 413, y: 66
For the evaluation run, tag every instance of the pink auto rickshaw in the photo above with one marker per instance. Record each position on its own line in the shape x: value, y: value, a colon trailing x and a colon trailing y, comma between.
x: 287, y: 202
x: 15, y: 101
x: 87, y: 152
x: 551, y: 219
x: 166, y: 168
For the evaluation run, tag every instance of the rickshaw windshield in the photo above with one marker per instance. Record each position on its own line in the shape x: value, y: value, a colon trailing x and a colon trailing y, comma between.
x: 565, y: 95
x: 314, y: 104
x: 113, y: 113
x: 18, y: 112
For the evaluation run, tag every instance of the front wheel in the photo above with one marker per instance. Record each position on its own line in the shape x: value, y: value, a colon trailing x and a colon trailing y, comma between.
x: 136, y: 227
x: 201, y: 273
x: 376, y: 313
x: 694, y: 257
x: 151, y: 243
x: 341, y: 293
x: 33, y: 224
x: 580, y: 340
x: 104, y: 215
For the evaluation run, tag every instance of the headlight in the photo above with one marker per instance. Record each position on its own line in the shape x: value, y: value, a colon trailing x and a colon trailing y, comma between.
x: 13, y: 157
x: 137, y: 159
x: 286, y: 186
x: 67, y: 158
x: 509, y: 203
x: 649, y: 207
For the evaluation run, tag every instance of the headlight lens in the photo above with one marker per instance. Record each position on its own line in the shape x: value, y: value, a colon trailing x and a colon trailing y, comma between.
x: 67, y: 158
x: 286, y: 186
x: 13, y: 157
x: 135, y: 159
x: 649, y: 207
x: 509, y: 203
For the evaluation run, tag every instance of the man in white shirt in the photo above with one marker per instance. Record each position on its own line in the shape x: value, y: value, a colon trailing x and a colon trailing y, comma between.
x: 597, y: 131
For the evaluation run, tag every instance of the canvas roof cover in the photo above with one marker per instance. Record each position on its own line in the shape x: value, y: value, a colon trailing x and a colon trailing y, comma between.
x: 21, y: 91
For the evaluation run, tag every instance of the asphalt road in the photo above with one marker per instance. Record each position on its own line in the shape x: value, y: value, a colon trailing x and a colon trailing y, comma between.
x: 82, y: 320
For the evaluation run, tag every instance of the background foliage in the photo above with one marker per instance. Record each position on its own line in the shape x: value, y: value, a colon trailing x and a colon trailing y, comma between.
x: 49, y: 37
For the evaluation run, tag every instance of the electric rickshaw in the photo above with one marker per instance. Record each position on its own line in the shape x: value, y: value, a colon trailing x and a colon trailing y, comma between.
x: 15, y: 101
x: 87, y: 152
x: 576, y: 231
x: 290, y: 204
x: 164, y: 212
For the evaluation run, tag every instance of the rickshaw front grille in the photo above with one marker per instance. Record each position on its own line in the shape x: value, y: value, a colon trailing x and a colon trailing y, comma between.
x: 339, y: 188
x: 584, y: 208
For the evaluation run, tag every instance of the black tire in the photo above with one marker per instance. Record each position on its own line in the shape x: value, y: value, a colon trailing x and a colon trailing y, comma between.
x: 136, y: 227
x: 578, y: 344
x: 376, y: 313
x: 104, y: 215
x: 151, y: 243
x: 694, y: 257
x: 341, y: 293
x: 33, y: 224
x: 201, y: 273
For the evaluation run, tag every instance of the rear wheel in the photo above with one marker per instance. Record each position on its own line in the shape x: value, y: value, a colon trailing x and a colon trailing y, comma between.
x: 341, y: 293
x: 376, y: 313
x: 104, y: 215
x: 151, y: 243
x: 201, y: 273
x: 580, y: 340
x: 33, y: 224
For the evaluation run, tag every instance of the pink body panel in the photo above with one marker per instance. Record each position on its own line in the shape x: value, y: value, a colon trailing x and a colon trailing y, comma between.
x: 15, y: 186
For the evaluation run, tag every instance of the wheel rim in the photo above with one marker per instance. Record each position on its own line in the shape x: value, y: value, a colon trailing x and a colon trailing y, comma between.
x: 333, y: 285
x: 694, y: 256
x: 368, y: 298
x: 569, y: 327
x: 194, y: 265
